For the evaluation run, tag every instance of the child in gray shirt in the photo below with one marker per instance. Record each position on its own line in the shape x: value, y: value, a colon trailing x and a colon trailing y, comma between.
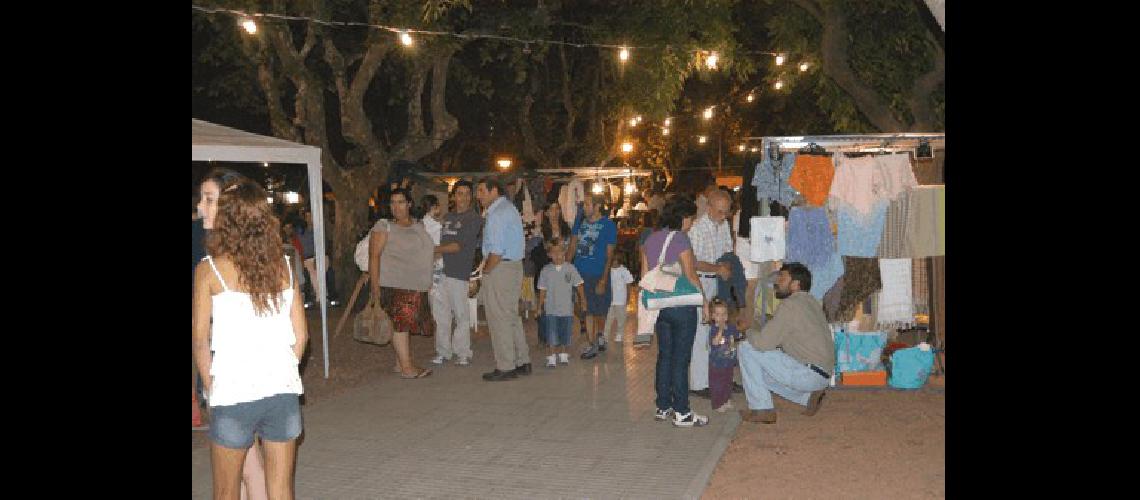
x: 555, y: 300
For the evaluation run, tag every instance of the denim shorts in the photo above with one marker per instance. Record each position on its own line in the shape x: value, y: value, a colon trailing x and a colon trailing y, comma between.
x: 275, y: 418
x: 557, y: 329
x: 597, y: 304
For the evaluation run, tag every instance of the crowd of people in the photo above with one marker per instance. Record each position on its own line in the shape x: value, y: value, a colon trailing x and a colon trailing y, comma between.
x: 422, y: 261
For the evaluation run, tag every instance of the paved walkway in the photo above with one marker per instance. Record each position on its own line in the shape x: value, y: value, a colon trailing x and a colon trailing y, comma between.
x: 585, y: 430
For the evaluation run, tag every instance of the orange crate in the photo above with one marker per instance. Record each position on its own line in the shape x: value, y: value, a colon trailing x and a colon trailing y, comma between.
x: 869, y: 378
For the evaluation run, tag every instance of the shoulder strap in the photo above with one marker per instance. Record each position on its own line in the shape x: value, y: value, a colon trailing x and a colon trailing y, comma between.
x: 661, y: 257
x: 216, y: 273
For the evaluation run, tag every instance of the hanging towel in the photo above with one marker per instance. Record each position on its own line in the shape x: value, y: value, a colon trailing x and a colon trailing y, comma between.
x: 893, y: 244
x: 771, y: 179
x: 893, y: 175
x: 921, y: 292
x: 859, y: 233
x: 767, y: 239
x: 926, y: 221
x: 895, y: 305
x: 854, y: 184
x: 810, y: 241
x: 861, y: 279
x: 811, y: 176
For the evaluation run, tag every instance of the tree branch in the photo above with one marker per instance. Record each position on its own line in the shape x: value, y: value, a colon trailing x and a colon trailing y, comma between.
x: 919, y: 99
x: 568, y: 105
x: 836, y: 65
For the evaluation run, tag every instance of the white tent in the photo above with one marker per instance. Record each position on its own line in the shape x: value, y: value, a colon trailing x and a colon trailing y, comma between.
x: 212, y: 142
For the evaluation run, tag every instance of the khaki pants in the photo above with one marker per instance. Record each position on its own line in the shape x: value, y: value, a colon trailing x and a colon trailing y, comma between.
x: 501, y: 301
x: 449, y: 301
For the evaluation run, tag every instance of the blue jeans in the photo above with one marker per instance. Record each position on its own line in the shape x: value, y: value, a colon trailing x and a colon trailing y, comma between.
x: 557, y: 329
x: 765, y: 372
x: 675, y: 329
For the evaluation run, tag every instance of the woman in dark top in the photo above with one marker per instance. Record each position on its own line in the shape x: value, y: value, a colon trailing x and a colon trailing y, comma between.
x: 676, y: 326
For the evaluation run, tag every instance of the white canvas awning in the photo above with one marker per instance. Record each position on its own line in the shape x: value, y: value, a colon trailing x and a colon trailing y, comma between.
x: 211, y: 142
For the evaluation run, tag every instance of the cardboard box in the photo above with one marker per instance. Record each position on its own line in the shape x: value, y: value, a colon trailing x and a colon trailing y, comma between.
x: 868, y: 378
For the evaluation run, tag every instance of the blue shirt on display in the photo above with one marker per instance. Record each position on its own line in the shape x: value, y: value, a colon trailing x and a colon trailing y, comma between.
x: 590, y: 254
x: 503, y: 231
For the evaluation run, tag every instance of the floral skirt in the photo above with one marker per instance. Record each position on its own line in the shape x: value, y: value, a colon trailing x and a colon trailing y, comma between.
x: 409, y: 311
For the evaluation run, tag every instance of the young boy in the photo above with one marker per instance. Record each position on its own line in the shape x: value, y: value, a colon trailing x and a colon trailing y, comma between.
x: 722, y: 355
x: 620, y: 278
x: 556, y: 283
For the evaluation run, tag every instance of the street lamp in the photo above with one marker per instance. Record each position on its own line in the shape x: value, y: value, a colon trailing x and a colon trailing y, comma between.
x: 504, y: 163
x: 627, y: 147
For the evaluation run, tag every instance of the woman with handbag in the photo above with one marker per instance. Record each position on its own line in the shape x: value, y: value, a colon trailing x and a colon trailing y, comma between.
x: 249, y: 334
x: 400, y: 259
x: 670, y: 251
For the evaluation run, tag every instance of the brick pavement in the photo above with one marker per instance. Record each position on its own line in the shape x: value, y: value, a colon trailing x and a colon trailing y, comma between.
x: 585, y: 430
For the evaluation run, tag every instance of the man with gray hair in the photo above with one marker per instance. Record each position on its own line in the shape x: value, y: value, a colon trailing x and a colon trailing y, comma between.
x: 712, y: 238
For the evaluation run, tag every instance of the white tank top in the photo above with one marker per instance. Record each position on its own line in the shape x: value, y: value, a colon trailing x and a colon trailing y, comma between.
x: 253, y: 355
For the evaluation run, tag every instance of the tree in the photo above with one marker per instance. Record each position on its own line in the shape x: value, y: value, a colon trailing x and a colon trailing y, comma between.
x: 882, y: 63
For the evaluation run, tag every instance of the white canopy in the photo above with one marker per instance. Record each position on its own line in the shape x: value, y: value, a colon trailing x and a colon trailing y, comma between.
x: 211, y: 142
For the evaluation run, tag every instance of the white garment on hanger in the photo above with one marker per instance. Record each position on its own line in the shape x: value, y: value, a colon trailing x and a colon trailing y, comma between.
x: 527, y: 207
x: 768, y: 238
x: 572, y: 193
x: 895, y: 302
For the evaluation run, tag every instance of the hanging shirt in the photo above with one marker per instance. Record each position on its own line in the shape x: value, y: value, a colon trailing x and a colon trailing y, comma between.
x: 767, y: 240
x: 771, y: 179
x: 809, y: 237
x: 859, y: 234
x: 572, y: 194
x: 811, y: 176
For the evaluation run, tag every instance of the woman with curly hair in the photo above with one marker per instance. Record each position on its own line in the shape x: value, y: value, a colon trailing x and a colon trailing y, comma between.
x: 251, y: 350
x: 400, y: 259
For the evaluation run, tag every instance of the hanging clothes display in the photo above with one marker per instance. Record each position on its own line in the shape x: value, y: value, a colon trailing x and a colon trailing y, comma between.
x: 811, y: 176
x: 854, y: 184
x: 771, y: 179
x: 767, y: 240
x: 809, y: 238
x: 926, y: 221
x: 825, y: 275
x: 893, y: 176
x: 894, y: 244
x: 921, y: 290
x: 527, y: 212
x: 572, y: 194
x: 615, y: 193
x: 895, y: 305
x: 861, y: 279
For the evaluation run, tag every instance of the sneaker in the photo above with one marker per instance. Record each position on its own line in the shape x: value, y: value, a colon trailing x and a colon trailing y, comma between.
x: 689, y: 420
x: 463, y: 361
x: 601, y: 344
x: 725, y: 407
x: 438, y: 360
x: 662, y: 414
x: 550, y: 363
x: 590, y: 352
x: 564, y: 358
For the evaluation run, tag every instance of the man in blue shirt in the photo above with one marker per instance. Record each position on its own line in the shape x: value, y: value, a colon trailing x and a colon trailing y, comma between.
x: 502, y: 275
x: 592, y: 242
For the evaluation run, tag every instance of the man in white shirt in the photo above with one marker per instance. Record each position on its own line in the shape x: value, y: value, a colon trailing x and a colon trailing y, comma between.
x: 711, y: 237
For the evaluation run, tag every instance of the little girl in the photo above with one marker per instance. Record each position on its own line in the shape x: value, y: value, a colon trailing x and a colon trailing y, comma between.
x: 722, y: 355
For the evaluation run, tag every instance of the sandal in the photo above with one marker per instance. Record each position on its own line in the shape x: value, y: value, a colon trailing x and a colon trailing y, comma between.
x: 423, y: 373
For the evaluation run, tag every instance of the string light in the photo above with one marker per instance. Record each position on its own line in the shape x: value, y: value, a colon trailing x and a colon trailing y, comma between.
x: 779, y: 59
x: 708, y: 112
x: 624, y: 54
x: 741, y: 148
x: 249, y: 25
x: 269, y: 200
x: 626, y: 147
x: 265, y: 164
x: 405, y: 39
x: 668, y: 121
x: 504, y: 163
x: 754, y: 149
x: 750, y: 97
x: 702, y: 139
x: 638, y: 118
x: 803, y: 67
x: 633, y: 122
x: 665, y: 131
x: 711, y: 61
x: 779, y: 84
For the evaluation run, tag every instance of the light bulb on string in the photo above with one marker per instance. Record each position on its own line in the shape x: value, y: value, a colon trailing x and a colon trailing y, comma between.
x: 623, y: 54
x: 638, y: 118
x: 803, y: 67
x: 779, y: 84
x: 779, y: 59
x: 249, y: 26
x: 668, y: 121
x: 633, y: 122
x: 708, y: 112
x: 665, y: 131
x: 626, y: 147
x: 405, y: 39
x: 754, y: 149
x: 711, y: 61
x: 741, y: 148
x: 702, y: 139
x: 750, y: 97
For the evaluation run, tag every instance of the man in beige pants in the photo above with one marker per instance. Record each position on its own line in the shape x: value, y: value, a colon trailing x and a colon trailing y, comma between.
x: 502, y: 275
